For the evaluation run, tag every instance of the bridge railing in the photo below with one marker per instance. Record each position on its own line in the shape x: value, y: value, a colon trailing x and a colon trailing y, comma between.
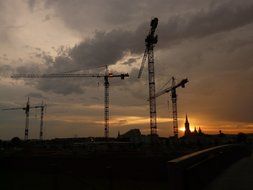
x: 194, y: 171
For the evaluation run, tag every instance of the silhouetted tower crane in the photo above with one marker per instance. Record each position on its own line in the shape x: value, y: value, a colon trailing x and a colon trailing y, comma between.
x: 172, y: 89
x: 106, y: 77
x: 106, y: 102
x: 42, y: 109
x: 27, y: 112
x: 150, y: 42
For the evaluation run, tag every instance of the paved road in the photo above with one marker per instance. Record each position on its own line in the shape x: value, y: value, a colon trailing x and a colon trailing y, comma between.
x: 237, y: 177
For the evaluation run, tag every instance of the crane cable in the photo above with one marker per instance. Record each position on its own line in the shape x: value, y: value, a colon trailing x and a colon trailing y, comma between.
x: 165, y: 84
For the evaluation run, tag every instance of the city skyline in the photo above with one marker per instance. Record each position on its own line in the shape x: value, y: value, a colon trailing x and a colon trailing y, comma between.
x: 208, y: 42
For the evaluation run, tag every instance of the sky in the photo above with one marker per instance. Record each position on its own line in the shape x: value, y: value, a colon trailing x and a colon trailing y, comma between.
x: 209, y: 42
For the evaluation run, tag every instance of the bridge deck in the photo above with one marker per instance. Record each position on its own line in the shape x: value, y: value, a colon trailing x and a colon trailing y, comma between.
x: 237, y: 177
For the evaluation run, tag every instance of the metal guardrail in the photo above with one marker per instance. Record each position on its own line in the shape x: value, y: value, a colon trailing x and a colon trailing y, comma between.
x: 194, y: 171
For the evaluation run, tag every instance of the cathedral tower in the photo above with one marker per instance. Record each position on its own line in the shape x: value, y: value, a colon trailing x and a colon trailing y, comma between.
x: 187, y: 131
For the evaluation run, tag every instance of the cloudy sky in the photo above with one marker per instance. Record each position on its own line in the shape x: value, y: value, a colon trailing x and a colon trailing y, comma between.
x: 210, y: 42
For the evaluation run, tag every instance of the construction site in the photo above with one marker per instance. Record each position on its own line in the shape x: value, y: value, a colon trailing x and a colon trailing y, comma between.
x: 150, y: 41
x: 131, y: 160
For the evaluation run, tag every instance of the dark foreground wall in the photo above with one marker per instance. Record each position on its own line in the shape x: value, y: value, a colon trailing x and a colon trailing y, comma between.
x: 194, y: 171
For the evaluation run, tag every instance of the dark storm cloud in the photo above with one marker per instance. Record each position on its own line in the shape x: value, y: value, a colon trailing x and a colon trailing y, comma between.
x: 60, y: 86
x: 106, y: 48
x: 84, y: 13
x: 88, y: 15
x: 220, y: 18
x: 81, y: 14
x: 57, y: 65
x: 60, y: 64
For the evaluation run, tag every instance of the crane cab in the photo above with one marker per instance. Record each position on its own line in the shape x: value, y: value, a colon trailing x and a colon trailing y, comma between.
x: 154, y: 23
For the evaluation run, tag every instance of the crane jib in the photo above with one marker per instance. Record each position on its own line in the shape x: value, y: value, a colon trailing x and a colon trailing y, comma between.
x: 106, y: 76
x: 67, y: 75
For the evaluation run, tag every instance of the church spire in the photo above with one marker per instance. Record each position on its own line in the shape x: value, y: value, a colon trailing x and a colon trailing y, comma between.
x: 186, y: 119
x: 187, y: 131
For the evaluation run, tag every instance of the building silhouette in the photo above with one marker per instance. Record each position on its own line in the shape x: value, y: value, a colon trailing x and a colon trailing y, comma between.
x: 187, y: 132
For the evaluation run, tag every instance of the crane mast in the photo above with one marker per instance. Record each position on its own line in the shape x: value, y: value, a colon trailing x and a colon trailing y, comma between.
x: 152, y: 102
x: 27, y: 110
x: 150, y: 42
x: 172, y: 90
x: 106, y: 104
x: 27, y: 115
x: 174, y: 108
x: 41, y: 122
x: 42, y: 109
